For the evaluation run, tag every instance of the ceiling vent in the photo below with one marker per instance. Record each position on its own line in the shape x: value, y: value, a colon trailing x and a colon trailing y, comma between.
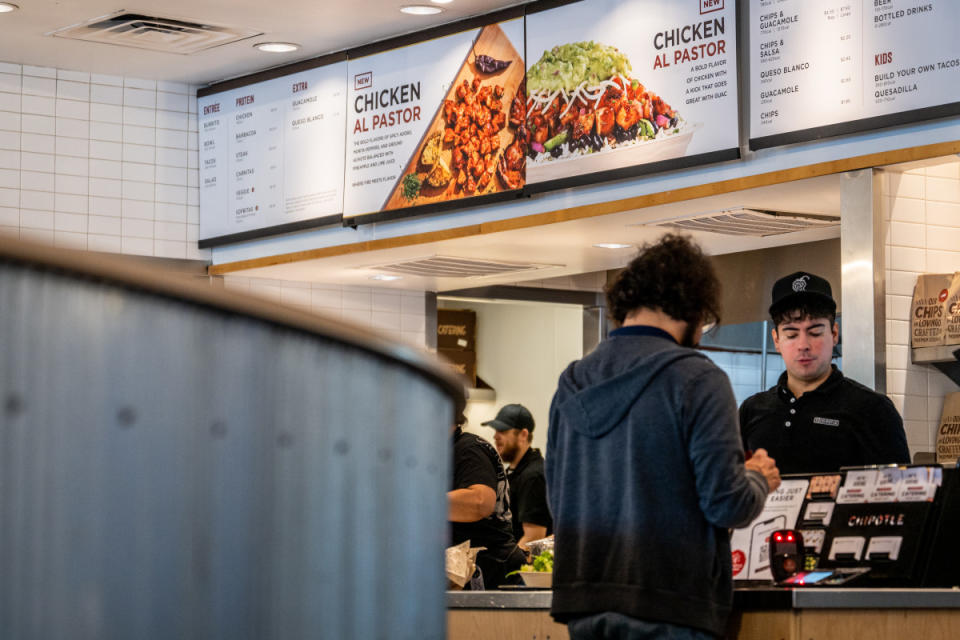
x: 142, y: 31
x: 741, y: 221
x: 449, y: 267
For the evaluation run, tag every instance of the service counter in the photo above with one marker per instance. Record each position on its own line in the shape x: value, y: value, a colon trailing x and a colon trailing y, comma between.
x: 759, y: 614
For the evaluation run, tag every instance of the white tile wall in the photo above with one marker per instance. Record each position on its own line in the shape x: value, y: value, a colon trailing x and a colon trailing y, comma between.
x: 923, y: 236
x: 395, y: 313
x: 99, y: 162
x: 744, y: 371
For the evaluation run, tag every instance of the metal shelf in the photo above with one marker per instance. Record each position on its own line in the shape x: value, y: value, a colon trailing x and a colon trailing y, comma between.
x: 946, y: 358
x: 483, y: 392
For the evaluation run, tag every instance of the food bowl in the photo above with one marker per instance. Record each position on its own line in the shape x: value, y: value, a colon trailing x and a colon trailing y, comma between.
x: 541, y: 579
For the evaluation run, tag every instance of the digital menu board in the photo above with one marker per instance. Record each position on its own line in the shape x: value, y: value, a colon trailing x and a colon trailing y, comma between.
x: 271, y: 154
x: 820, y: 68
x: 622, y: 87
x: 430, y: 126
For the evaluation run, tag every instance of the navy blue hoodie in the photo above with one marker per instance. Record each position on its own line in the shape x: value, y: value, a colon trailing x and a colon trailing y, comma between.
x: 645, y: 475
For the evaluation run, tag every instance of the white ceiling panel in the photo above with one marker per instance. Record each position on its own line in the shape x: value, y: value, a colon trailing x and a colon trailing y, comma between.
x: 320, y: 27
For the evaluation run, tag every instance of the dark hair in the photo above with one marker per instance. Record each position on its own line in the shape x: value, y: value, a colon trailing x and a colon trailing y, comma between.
x: 672, y: 275
x: 812, y: 308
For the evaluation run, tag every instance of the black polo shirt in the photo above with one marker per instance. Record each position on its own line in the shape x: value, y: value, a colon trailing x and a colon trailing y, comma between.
x: 475, y: 461
x: 528, y: 493
x: 840, y: 423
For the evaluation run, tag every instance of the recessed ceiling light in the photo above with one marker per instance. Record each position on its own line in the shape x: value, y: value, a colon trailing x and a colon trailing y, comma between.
x: 612, y: 245
x: 385, y: 278
x: 277, y: 47
x: 7, y: 7
x: 420, y: 9
x: 441, y: 1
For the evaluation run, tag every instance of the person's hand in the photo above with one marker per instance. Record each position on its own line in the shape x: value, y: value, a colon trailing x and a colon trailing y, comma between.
x: 526, y: 552
x: 766, y: 465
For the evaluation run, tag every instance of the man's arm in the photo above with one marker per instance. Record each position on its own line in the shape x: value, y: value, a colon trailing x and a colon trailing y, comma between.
x: 550, y: 461
x: 531, y: 532
x: 883, y: 438
x: 730, y: 495
x: 471, y: 504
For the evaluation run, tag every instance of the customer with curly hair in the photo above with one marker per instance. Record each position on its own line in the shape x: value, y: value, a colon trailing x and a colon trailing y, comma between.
x: 645, y: 470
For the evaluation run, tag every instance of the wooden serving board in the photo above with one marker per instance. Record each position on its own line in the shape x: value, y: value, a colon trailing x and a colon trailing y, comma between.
x: 491, y: 41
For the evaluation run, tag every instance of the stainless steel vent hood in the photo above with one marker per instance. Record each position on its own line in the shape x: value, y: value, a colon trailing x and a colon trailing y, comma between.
x: 747, y: 277
x: 744, y: 221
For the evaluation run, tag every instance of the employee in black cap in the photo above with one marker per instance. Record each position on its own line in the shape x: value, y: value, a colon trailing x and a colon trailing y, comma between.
x: 528, y: 487
x: 815, y: 419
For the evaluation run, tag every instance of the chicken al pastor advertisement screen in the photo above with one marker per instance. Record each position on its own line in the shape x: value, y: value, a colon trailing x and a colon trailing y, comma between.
x: 617, y: 84
x: 436, y: 121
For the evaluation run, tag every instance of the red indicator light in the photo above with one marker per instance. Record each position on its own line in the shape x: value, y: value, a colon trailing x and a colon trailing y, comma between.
x: 778, y: 538
x: 789, y: 537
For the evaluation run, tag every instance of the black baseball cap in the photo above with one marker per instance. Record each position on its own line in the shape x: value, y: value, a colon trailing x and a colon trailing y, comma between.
x: 511, y: 416
x: 792, y: 291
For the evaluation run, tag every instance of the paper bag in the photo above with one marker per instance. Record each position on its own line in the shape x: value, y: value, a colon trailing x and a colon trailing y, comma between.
x: 952, y: 309
x: 461, y: 562
x: 948, y: 435
x: 928, y: 311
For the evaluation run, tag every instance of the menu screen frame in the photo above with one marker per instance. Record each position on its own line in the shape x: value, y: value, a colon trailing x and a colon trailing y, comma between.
x: 722, y: 154
x: 252, y: 80
x: 357, y: 55
x: 862, y: 74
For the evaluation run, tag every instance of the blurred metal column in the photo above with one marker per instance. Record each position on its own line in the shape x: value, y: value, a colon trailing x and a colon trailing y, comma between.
x: 862, y: 288
x: 183, y: 462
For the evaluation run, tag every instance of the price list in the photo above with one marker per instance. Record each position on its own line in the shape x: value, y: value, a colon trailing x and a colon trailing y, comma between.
x: 255, y: 164
x: 818, y: 64
x: 795, y: 82
x: 272, y: 153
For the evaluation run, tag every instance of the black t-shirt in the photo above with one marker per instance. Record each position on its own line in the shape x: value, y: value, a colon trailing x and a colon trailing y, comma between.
x: 840, y: 423
x: 475, y: 461
x: 528, y: 493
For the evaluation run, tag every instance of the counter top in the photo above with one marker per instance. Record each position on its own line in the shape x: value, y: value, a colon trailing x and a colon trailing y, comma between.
x: 499, y: 599
x: 876, y: 598
x: 762, y: 598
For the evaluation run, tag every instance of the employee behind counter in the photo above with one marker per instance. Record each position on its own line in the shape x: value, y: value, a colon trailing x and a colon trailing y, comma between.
x: 479, y: 506
x: 815, y: 419
x: 513, y: 433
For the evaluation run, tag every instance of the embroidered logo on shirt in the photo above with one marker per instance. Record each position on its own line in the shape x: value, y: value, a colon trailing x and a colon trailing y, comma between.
x: 830, y: 422
x: 800, y: 284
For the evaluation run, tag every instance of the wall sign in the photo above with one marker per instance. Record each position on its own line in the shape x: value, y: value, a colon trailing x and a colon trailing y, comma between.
x: 618, y: 88
x: 820, y: 68
x: 271, y: 155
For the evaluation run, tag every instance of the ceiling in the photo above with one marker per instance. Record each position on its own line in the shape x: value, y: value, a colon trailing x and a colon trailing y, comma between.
x: 566, y: 248
x: 320, y: 27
